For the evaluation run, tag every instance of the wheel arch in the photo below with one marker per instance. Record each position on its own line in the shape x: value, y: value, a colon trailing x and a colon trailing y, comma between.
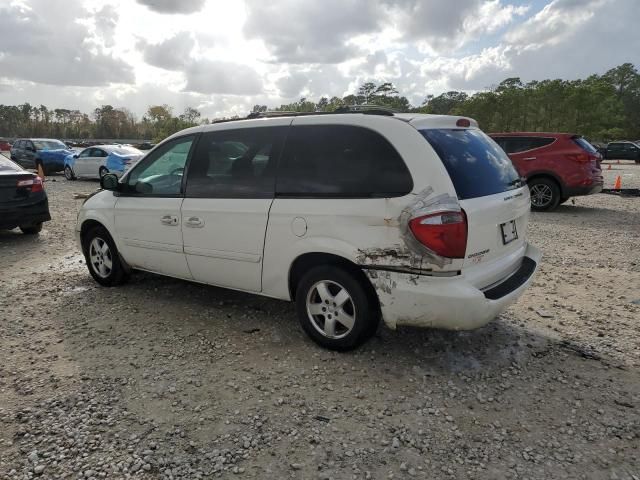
x: 306, y: 261
x: 550, y: 176
x: 88, y: 225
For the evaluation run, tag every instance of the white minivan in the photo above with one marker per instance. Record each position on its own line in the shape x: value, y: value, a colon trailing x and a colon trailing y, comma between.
x: 356, y: 216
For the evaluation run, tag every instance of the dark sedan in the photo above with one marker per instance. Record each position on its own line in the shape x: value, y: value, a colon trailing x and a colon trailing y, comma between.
x: 23, y: 201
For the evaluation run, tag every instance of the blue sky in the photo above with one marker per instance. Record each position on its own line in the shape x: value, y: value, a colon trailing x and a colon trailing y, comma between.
x: 223, y: 57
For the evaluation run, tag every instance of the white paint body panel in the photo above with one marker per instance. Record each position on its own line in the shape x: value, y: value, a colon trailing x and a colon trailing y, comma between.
x: 225, y: 247
x: 145, y: 241
x: 251, y: 244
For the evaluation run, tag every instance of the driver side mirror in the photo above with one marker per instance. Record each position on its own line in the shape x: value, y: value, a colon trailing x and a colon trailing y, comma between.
x: 75, y: 156
x: 109, y: 182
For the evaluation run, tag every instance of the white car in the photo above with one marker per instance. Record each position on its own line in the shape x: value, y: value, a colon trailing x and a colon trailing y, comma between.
x: 413, y: 219
x: 96, y: 161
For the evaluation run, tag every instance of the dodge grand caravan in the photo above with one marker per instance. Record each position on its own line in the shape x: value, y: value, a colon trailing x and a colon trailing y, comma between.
x: 417, y: 220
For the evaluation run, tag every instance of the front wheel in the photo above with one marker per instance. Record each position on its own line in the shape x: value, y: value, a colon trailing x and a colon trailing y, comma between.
x: 335, y: 308
x: 68, y: 173
x: 545, y: 194
x: 102, y: 258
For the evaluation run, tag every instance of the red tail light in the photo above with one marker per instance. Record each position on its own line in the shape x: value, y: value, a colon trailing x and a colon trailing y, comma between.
x: 579, y: 157
x: 34, y: 184
x: 444, y: 232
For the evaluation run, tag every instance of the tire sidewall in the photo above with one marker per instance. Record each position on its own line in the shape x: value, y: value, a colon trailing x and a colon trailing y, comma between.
x: 555, y: 194
x: 71, y: 175
x: 366, y: 312
x: 117, y: 272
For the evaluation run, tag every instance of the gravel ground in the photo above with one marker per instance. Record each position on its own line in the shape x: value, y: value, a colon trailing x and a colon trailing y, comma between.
x: 166, y: 379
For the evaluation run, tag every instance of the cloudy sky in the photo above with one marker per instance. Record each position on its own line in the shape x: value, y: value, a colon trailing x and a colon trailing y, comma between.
x: 223, y: 56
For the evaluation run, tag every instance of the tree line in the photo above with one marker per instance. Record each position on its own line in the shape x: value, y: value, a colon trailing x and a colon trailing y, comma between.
x: 601, y: 107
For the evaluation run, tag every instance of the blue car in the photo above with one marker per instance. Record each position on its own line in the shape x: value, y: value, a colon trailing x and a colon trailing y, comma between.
x: 96, y: 161
x: 46, y: 152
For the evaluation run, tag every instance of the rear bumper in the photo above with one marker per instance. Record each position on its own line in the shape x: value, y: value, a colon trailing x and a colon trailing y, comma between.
x: 16, y: 215
x: 451, y: 303
x: 582, y: 190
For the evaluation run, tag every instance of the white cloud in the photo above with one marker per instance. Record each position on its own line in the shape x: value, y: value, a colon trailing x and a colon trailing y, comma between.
x: 224, y: 57
x: 207, y: 76
x: 43, y: 43
x: 173, y: 6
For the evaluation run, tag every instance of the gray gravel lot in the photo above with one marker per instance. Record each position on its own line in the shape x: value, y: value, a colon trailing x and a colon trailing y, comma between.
x: 162, y: 378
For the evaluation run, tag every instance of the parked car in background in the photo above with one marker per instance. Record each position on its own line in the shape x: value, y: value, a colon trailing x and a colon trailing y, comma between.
x: 95, y: 162
x: 46, y: 152
x: 557, y: 166
x: 419, y: 220
x: 623, y: 150
x: 5, y: 146
x: 23, y: 201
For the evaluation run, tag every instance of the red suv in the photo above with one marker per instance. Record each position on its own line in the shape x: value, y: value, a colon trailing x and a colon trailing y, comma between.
x: 557, y: 166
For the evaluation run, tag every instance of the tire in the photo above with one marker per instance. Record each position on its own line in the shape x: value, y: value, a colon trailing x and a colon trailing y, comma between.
x: 545, y: 194
x: 102, y: 172
x: 33, y: 229
x: 317, y: 291
x: 68, y: 173
x: 103, y: 260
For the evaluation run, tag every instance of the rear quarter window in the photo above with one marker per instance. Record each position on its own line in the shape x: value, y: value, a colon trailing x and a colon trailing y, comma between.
x: 585, y: 145
x: 340, y: 161
x: 476, y: 164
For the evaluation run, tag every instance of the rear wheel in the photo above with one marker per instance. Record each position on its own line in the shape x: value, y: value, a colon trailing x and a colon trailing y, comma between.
x: 102, y: 258
x: 68, y: 173
x: 102, y: 172
x: 545, y: 194
x: 335, y: 308
x: 32, y: 229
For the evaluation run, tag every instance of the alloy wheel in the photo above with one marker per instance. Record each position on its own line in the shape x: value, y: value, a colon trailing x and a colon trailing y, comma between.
x: 331, y: 309
x: 100, y: 257
x: 541, y: 195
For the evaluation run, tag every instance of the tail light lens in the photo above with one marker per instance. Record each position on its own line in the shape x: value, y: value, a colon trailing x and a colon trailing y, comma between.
x: 34, y: 184
x: 444, y: 232
x: 580, y: 157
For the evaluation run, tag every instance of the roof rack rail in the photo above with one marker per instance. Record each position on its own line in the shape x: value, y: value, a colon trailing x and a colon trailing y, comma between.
x: 365, y: 109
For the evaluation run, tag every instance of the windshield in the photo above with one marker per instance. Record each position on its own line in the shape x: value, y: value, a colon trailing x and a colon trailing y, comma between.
x: 476, y: 164
x: 48, y: 144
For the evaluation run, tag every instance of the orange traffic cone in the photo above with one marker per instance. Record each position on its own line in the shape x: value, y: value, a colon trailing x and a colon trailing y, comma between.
x: 618, y: 184
x: 609, y: 167
x: 41, y: 172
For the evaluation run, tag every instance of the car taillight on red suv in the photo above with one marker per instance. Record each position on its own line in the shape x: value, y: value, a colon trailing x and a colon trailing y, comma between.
x: 443, y: 232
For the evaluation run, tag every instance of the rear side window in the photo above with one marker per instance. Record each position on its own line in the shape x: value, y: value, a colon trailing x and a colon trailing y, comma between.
x: 341, y: 161
x: 476, y: 164
x: 236, y: 163
x: 585, y: 145
x: 522, y: 144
